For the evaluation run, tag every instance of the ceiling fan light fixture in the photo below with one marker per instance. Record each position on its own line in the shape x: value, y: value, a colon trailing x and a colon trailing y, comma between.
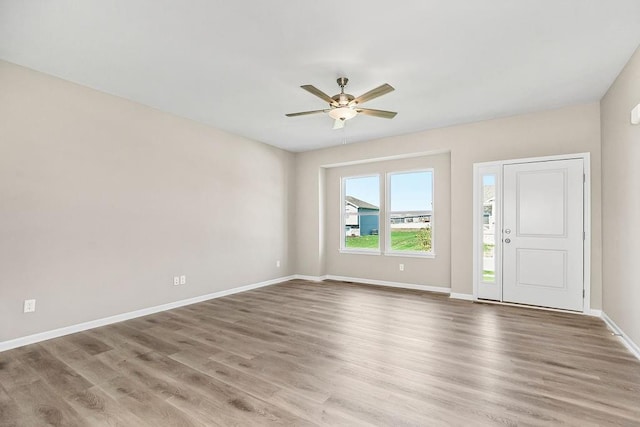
x: 342, y: 113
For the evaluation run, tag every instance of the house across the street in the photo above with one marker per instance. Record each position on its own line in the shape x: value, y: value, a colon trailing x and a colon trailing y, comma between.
x: 357, y: 222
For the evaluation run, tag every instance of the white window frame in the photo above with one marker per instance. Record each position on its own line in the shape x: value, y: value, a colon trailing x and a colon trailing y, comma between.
x: 482, y: 289
x: 343, y: 237
x: 388, y: 212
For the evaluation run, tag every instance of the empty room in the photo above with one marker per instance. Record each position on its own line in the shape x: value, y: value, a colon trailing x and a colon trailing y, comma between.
x: 363, y: 213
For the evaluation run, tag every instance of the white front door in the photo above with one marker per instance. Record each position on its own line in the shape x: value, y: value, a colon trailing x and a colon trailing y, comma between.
x: 543, y: 234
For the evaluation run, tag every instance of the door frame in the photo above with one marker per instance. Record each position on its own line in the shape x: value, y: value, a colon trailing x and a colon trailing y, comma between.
x: 477, y: 222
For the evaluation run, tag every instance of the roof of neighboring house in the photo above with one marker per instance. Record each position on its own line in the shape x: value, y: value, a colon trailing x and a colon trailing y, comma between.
x: 360, y: 203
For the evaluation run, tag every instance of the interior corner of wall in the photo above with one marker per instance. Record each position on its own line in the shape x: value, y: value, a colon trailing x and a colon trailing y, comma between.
x: 321, y: 221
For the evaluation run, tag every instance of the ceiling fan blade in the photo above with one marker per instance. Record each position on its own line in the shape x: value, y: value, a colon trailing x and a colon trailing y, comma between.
x: 374, y: 93
x: 304, y: 113
x: 320, y: 94
x: 338, y: 124
x: 377, y: 113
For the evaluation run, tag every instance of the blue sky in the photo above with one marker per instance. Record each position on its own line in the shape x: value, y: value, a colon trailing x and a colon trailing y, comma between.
x: 411, y: 191
x: 489, y: 180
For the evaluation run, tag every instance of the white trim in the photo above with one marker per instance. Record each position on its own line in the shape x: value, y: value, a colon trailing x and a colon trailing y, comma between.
x: 586, y: 228
x: 309, y: 278
x: 465, y: 297
x: 428, y: 288
x: 385, y: 158
x: 585, y: 155
x: 411, y: 254
x: 362, y: 251
x: 590, y: 313
x: 55, y: 333
x: 628, y: 342
x: 479, y: 285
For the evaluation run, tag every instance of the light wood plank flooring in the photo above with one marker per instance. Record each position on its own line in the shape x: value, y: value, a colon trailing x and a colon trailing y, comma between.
x: 331, y: 353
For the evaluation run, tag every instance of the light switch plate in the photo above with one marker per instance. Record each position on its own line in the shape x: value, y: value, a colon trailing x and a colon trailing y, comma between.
x: 635, y: 115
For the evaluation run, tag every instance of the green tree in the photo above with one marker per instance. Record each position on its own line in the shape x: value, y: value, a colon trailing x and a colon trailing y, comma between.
x: 424, y: 237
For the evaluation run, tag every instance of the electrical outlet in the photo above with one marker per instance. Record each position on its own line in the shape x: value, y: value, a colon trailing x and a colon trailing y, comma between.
x: 278, y: 263
x: 29, y: 305
x: 176, y: 280
x: 401, y: 267
x: 183, y: 280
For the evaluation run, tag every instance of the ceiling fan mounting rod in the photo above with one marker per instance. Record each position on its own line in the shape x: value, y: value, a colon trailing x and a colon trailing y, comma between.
x: 342, y: 82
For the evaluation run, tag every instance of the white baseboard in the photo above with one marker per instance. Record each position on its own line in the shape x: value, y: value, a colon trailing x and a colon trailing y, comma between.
x: 593, y: 312
x: 428, y: 288
x: 310, y: 278
x: 55, y: 333
x: 588, y: 312
x: 466, y: 297
x: 626, y: 340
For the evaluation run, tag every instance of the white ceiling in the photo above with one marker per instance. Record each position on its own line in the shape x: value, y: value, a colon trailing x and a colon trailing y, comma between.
x: 238, y: 64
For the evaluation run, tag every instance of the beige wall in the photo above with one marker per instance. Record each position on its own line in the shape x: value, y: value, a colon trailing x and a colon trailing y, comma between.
x: 568, y: 130
x: 621, y: 201
x: 103, y: 201
x: 419, y: 271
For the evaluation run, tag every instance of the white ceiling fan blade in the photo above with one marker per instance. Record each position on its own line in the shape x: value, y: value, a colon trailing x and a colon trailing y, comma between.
x: 338, y: 124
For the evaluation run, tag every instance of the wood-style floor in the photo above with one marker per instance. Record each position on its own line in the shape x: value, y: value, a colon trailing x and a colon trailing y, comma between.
x: 331, y: 353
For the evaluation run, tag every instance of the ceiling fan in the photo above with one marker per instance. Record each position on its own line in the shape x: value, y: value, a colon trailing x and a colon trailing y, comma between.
x: 344, y: 106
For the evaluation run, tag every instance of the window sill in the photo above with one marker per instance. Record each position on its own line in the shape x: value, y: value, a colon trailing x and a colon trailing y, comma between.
x: 359, y: 252
x: 395, y: 254
x: 411, y: 255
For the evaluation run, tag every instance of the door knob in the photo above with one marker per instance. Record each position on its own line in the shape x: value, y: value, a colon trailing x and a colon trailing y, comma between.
x: 507, y: 240
x: 508, y: 230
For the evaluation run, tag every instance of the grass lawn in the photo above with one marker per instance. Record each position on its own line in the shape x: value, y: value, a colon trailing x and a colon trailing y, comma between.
x: 488, y: 249
x: 368, y: 242
x: 401, y: 240
x: 488, y: 275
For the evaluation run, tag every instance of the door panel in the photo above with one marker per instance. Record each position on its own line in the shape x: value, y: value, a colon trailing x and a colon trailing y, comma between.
x: 543, y: 234
x: 528, y: 262
x: 540, y: 201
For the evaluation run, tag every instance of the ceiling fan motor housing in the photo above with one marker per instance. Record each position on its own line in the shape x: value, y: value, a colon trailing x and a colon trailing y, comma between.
x: 343, y: 99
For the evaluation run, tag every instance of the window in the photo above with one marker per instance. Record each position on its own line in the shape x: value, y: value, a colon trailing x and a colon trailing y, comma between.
x: 410, y: 213
x: 407, y: 229
x: 487, y: 231
x: 361, y: 214
x: 489, y: 228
